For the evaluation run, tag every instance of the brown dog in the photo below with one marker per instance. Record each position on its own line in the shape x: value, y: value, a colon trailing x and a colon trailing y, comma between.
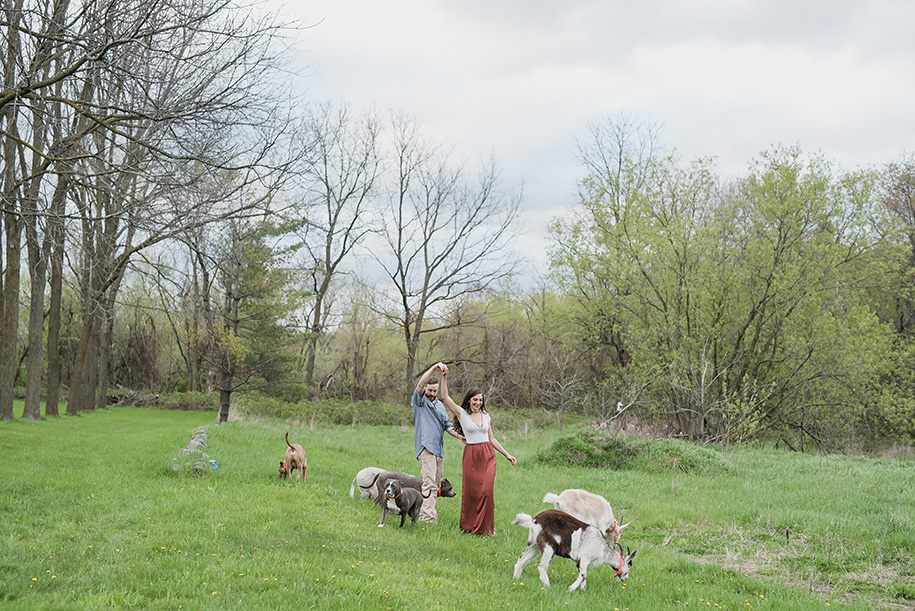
x: 295, y: 461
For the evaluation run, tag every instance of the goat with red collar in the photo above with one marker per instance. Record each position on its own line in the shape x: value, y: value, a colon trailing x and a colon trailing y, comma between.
x: 556, y: 533
x: 408, y: 500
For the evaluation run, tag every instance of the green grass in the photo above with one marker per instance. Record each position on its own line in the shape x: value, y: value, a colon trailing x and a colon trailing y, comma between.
x: 94, y: 517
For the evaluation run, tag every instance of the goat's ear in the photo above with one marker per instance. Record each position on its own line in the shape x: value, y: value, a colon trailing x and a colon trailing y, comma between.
x: 631, y: 556
x: 622, y: 526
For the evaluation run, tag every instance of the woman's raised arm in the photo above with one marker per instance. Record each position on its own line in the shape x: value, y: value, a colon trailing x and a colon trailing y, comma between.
x: 445, y: 397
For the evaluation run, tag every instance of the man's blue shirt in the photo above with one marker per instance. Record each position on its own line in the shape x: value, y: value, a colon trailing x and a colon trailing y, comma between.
x: 431, y: 421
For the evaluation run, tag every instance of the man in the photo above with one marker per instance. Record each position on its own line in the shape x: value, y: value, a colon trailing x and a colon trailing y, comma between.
x: 431, y: 422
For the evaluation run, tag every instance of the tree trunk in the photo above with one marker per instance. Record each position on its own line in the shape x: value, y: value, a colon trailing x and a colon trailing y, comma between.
x: 10, y: 321
x: 57, y: 244
x: 104, y: 357
x: 38, y: 265
x: 86, y: 359
x: 315, y: 333
x: 225, y: 396
x: 38, y: 269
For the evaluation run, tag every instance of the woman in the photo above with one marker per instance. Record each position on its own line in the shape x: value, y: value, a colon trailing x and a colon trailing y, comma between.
x: 478, y: 508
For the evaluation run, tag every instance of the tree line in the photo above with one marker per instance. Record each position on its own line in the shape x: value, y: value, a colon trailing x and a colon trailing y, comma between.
x: 189, y: 226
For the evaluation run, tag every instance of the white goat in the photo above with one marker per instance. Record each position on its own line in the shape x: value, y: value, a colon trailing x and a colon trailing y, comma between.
x: 588, y: 507
x: 557, y: 533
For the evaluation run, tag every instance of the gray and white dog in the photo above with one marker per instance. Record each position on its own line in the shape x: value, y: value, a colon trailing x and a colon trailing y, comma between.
x: 372, y: 480
x: 408, y: 500
x: 366, y: 479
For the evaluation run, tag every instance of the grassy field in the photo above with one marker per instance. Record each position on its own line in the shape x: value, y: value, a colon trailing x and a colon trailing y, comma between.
x: 94, y: 517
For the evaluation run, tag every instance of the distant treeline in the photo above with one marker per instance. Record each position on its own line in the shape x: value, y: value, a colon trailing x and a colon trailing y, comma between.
x: 169, y: 233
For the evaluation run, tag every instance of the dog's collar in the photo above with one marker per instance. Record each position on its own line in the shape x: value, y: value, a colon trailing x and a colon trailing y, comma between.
x: 394, y: 497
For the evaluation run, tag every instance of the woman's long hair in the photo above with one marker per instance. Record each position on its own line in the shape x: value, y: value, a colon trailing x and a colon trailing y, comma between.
x: 473, y: 392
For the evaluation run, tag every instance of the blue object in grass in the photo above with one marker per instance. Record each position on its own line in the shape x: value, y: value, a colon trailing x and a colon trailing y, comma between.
x: 214, y: 465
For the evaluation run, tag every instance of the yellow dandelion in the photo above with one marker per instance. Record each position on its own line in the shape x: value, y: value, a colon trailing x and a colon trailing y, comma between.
x: 53, y: 576
x: 34, y: 579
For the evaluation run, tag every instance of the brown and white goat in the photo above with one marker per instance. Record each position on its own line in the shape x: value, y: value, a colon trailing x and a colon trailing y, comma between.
x: 556, y: 533
x: 588, y: 507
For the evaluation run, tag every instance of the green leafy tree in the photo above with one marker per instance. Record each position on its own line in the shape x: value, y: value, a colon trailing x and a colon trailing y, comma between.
x: 747, y: 294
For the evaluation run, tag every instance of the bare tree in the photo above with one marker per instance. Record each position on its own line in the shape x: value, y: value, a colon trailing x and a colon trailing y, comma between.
x: 446, y: 234
x: 341, y: 165
x: 130, y: 104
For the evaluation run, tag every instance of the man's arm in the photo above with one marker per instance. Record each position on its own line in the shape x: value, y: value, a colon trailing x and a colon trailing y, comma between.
x: 421, y: 384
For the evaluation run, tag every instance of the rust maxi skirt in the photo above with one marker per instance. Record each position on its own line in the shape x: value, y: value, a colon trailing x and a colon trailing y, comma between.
x: 478, y: 506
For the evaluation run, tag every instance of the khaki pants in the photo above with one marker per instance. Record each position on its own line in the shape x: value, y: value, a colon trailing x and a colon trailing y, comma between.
x: 430, y: 470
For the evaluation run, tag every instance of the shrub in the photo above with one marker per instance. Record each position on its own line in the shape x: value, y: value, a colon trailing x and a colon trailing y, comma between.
x: 328, y: 411
x: 593, y: 448
x: 667, y: 455
x: 589, y: 448
x: 190, y: 401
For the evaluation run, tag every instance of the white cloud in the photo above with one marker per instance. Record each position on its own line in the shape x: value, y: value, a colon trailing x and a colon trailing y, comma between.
x: 727, y: 78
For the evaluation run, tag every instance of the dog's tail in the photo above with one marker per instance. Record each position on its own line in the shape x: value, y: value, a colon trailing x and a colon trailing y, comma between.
x: 352, y: 488
x: 287, y: 440
x: 522, y: 519
x: 549, y: 497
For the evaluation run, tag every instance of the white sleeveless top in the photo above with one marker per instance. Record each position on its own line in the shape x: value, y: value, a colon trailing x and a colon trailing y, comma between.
x: 472, y: 432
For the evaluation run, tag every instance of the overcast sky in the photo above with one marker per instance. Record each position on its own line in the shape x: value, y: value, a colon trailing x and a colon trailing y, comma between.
x: 520, y: 79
